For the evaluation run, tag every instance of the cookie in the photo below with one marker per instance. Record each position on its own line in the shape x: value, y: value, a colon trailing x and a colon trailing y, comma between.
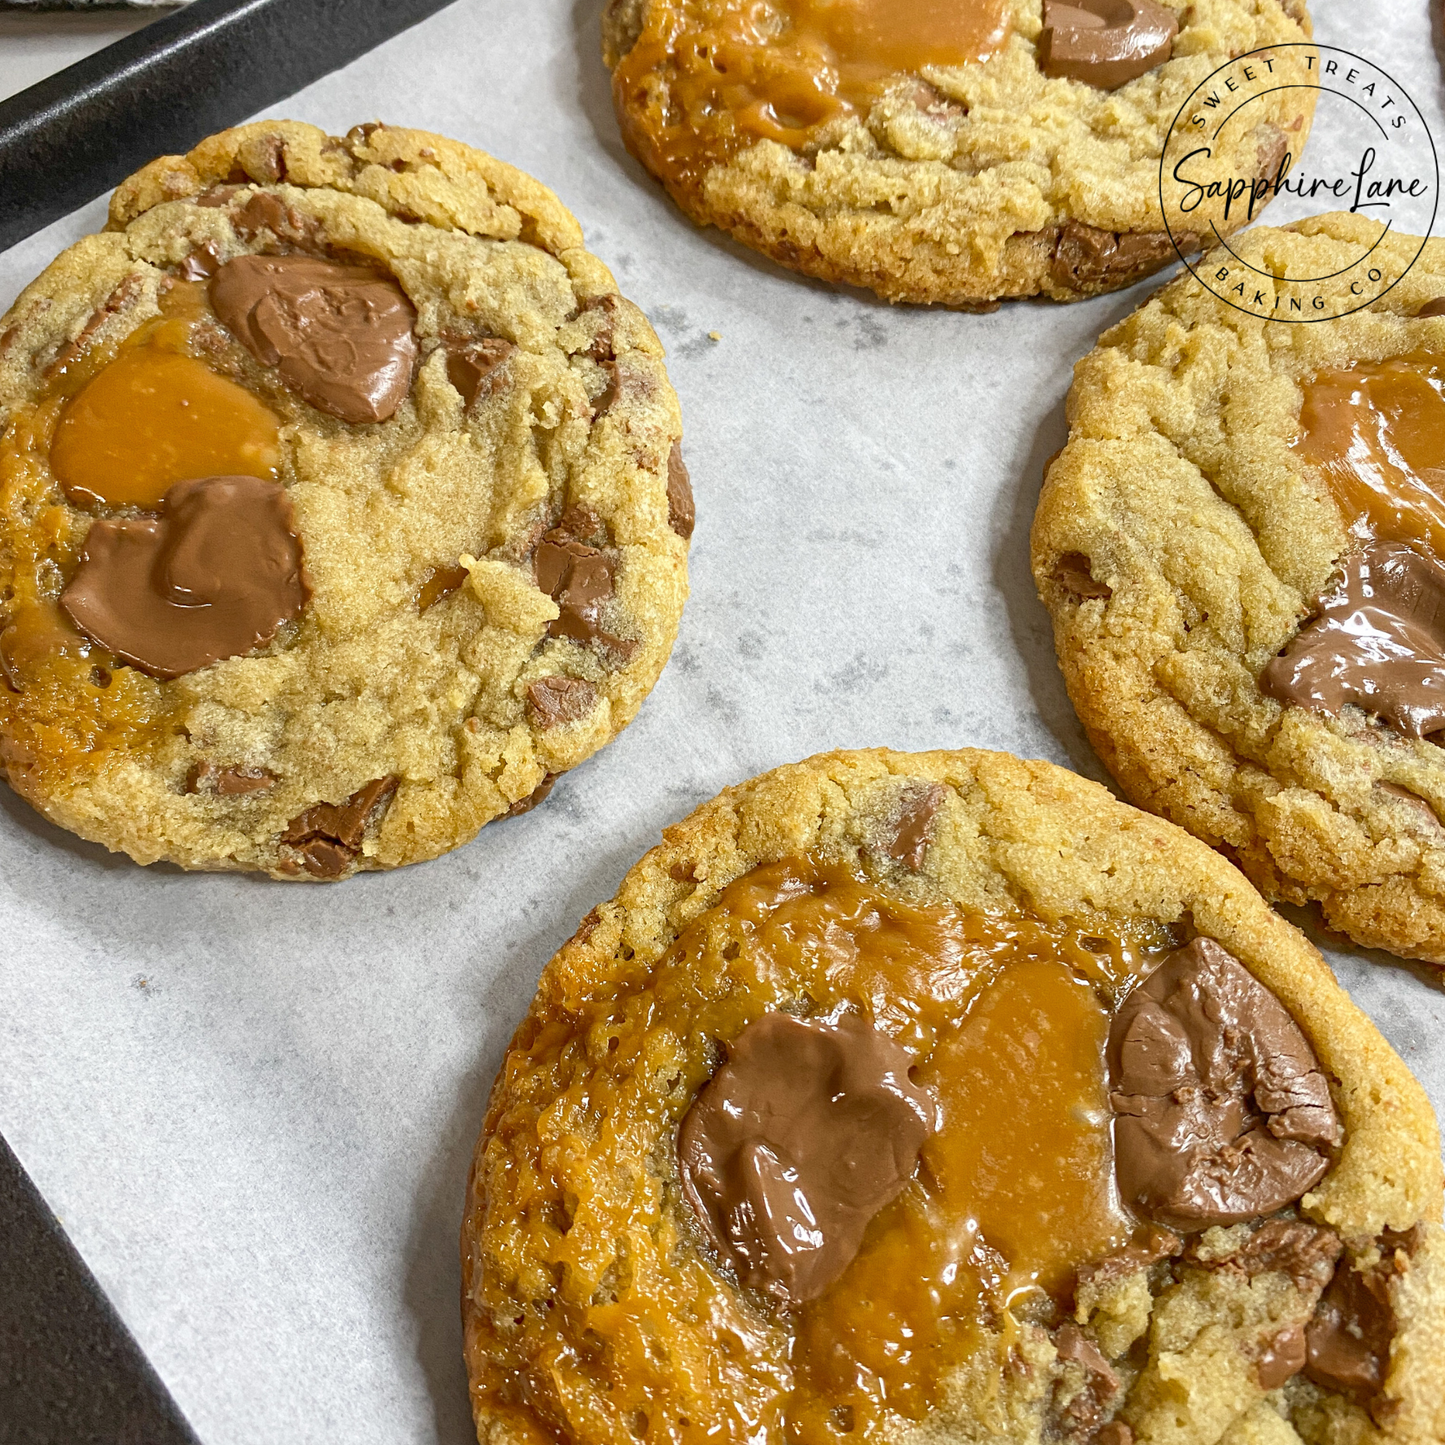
x: 342, y: 506
x: 1247, y: 620
x: 943, y: 1096
x: 943, y: 152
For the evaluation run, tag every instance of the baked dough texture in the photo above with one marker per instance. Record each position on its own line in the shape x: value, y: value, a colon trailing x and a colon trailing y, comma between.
x: 592, y: 1309
x: 457, y: 705
x: 984, y: 181
x: 1180, y: 542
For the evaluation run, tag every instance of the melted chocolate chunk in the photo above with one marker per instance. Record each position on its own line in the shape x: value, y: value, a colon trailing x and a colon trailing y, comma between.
x: 440, y: 582
x: 1222, y: 1113
x: 1305, y: 1252
x: 554, y: 701
x: 1085, y: 1410
x: 216, y: 575
x: 1158, y: 1244
x: 537, y: 795
x: 1084, y: 255
x: 680, y: 513
x: 342, y: 336
x: 580, y: 579
x: 806, y: 1132
x: 913, y: 826
x: 328, y: 836
x: 1350, y: 1335
x: 266, y: 212
x: 1282, y: 1358
x: 475, y: 368
x: 1378, y: 642
x: 201, y: 264
x: 1433, y: 308
x: 1105, y: 43
x: 206, y: 777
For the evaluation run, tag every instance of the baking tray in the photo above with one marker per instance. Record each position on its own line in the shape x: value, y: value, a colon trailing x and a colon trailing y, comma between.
x: 253, y: 1105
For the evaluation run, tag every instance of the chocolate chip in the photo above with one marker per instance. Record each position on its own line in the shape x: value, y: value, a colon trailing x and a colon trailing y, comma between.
x: 1414, y: 801
x: 579, y: 578
x: 1085, y: 1409
x: 1074, y: 573
x: 525, y: 805
x: 624, y: 383
x: 680, y: 512
x: 216, y: 575
x: 1433, y: 308
x: 218, y: 196
x: 759, y: 1148
x: 1157, y: 1244
x: 201, y: 264
x: 329, y: 835
x: 1105, y: 43
x: 360, y: 134
x: 602, y: 347
x: 554, y: 701
x: 1282, y: 1358
x: 1349, y: 1337
x: 1116, y: 1432
x: 912, y: 825
x: 474, y: 368
x: 440, y: 582
x: 206, y: 777
x: 1378, y: 643
x: 1085, y: 255
x: 1221, y: 1111
x: 267, y: 212
x: 269, y: 159
x: 342, y: 336
x: 1305, y: 1252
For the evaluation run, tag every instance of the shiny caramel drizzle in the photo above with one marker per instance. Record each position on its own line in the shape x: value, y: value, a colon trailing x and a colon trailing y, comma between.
x: 739, y: 71
x: 1007, y: 1018
x: 1376, y: 430
x: 156, y: 415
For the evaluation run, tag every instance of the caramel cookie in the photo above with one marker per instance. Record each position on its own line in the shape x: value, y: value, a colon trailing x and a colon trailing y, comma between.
x: 342, y: 506
x: 944, y: 1096
x: 1243, y: 550
x: 937, y: 151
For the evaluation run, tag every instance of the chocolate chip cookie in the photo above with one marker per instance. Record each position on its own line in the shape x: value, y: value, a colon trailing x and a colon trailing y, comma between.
x: 1241, y: 547
x: 942, y: 1095
x: 936, y: 151
x: 342, y: 506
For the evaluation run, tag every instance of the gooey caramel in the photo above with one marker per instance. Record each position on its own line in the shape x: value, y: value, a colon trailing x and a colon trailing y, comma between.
x: 740, y: 71
x: 1377, y: 432
x: 1006, y: 1018
x: 156, y: 416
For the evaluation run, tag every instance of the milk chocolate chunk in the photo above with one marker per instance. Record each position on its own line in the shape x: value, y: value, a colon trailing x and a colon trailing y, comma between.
x: 553, y: 701
x: 1084, y: 255
x: 328, y: 836
x: 537, y: 795
x: 914, y: 825
x: 440, y: 582
x: 475, y: 368
x: 216, y: 575
x: 579, y: 579
x: 206, y: 777
x: 1158, y: 1244
x: 342, y: 336
x: 1433, y: 308
x: 1221, y: 1111
x: 1349, y: 1337
x: 801, y: 1137
x: 1305, y: 1252
x: 1085, y: 1409
x: 1282, y: 1358
x: 1378, y: 643
x: 1105, y: 43
x: 681, y: 515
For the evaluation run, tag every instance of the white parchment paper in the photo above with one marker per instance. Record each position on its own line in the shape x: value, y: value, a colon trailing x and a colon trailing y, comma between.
x: 253, y: 1104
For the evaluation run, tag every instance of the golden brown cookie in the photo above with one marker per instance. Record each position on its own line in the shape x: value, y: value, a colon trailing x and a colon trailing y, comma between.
x: 1248, y: 622
x: 943, y: 152
x: 341, y: 506
x: 944, y: 1096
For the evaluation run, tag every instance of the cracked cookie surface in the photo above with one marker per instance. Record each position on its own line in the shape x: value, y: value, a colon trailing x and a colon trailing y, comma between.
x: 1186, y: 537
x: 401, y: 348
x: 956, y: 909
x: 954, y: 183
